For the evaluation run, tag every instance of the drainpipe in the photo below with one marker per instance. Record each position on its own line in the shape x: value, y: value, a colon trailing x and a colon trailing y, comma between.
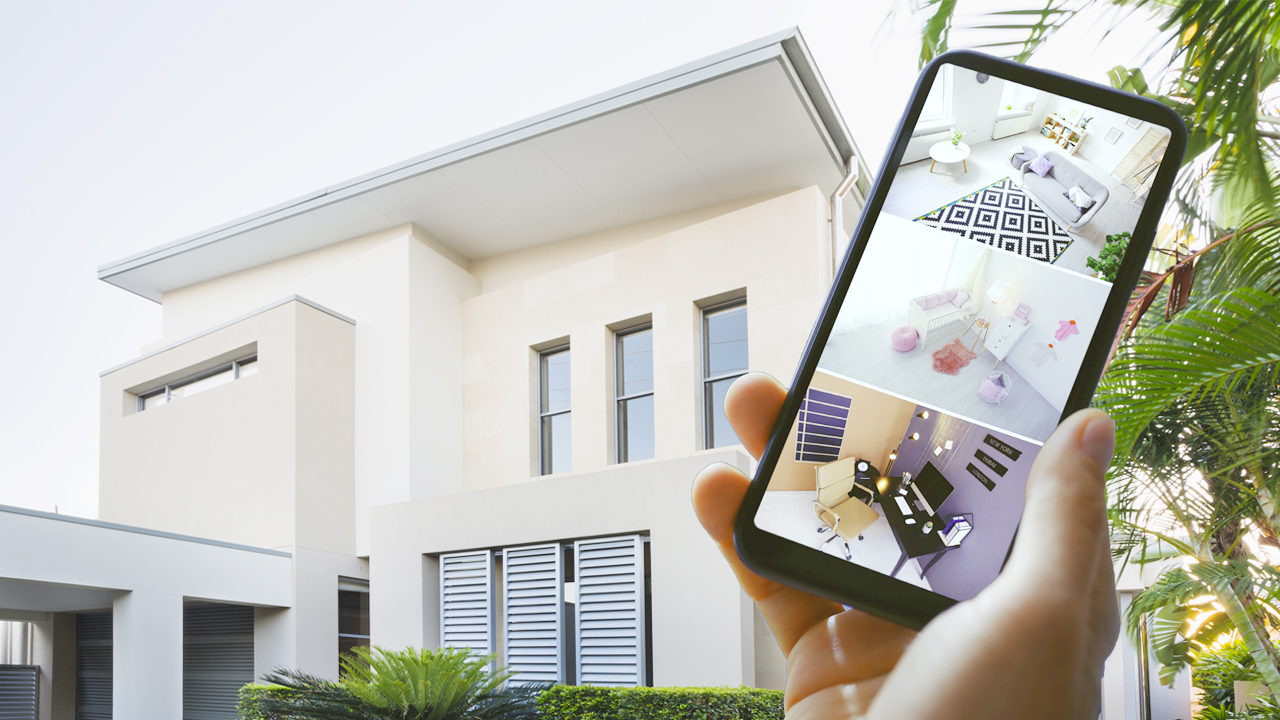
x: 837, y: 210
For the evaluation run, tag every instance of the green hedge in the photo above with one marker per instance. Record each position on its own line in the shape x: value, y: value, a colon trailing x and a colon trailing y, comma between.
x: 250, y: 695
x: 564, y: 702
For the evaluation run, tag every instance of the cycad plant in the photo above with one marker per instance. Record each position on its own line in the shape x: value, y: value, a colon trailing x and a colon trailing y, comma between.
x: 1194, y: 390
x: 409, y: 684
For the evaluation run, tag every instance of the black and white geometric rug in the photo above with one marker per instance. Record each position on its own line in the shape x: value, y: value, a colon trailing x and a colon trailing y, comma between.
x: 1001, y: 215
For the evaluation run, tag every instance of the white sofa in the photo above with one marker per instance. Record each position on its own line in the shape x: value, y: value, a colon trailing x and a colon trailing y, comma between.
x: 1050, y: 191
x: 935, y: 311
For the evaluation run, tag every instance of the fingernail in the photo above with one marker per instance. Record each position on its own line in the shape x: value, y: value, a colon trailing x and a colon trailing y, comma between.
x: 1098, y: 440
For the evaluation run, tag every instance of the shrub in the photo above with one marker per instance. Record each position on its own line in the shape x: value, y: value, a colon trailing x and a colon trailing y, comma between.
x: 1215, y: 671
x: 564, y: 702
x: 251, y: 695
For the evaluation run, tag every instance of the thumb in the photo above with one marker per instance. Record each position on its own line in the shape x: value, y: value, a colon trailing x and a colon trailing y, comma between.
x: 1064, y: 522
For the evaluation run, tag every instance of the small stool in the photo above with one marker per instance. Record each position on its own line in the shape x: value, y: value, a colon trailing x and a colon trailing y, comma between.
x: 904, y: 338
x: 1026, y: 156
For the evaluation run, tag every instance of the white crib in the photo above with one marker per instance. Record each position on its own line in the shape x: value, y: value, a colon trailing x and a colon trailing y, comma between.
x: 937, y: 317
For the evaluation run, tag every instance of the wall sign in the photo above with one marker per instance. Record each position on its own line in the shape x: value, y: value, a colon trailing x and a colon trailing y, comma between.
x: 982, y: 478
x: 1012, y: 452
x: 990, y: 462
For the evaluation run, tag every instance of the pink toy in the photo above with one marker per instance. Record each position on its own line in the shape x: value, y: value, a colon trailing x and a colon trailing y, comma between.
x: 904, y: 338
x: 1066, y: 328
x: 995, y: 388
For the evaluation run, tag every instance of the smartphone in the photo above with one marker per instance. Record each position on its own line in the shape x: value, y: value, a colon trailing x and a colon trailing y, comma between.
x: 974, y: 308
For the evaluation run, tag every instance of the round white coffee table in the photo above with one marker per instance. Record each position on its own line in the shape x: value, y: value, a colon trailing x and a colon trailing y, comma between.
x: 945, y: 152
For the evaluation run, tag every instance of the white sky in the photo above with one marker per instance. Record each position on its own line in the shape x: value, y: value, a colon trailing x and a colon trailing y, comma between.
x: 128, y: 125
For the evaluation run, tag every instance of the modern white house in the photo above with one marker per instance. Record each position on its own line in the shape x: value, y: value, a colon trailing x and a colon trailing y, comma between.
x: 456, y: 401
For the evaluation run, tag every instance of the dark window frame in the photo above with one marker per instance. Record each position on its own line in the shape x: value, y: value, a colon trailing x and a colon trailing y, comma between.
x: 544, y: 461
x: 620, y: 399
x: 709, y: 380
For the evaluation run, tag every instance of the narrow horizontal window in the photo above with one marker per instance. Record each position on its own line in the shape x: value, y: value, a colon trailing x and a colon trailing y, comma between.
x: 198, y: 383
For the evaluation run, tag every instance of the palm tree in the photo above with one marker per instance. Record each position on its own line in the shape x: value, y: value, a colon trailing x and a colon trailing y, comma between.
x: 1195, y: 392
x: 409, y: 684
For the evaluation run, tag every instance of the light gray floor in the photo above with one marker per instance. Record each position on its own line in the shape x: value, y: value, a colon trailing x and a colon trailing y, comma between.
x: 866, y: 356
x: 789, y: 514
x: 917, y: 191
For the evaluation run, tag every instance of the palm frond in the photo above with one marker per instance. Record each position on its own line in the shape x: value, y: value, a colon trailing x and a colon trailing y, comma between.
x: 1209, y: 349
x: 1014, y: 33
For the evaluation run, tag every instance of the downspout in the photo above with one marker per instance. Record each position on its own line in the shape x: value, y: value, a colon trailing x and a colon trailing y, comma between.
x: 837, y: 211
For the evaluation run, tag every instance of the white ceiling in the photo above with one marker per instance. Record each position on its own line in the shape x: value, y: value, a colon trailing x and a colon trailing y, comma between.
x: 664, y: 148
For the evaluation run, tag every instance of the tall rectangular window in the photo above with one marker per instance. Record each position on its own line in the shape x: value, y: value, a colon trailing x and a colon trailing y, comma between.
x: 555, y: 449
x: 937, y: 104
x: 353, y: 615
x: 724, y: 359
x: 634, y: 393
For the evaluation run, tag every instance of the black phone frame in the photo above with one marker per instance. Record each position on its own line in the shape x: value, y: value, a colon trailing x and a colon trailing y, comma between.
x: 809, y: 569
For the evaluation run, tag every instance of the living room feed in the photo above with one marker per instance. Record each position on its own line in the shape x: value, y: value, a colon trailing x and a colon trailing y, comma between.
x: 1042, y: 176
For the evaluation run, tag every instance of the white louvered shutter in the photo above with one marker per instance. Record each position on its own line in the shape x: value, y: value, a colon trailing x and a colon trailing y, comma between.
x: 610, y: 626
x: 533, y: 613
x: 466, y: 601
x: 217, y: 659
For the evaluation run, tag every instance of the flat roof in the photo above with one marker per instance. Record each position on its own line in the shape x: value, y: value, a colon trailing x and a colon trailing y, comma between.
x: 752, y: 120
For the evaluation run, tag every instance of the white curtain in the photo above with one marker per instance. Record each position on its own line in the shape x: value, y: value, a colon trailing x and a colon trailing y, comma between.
x: 903, y: 261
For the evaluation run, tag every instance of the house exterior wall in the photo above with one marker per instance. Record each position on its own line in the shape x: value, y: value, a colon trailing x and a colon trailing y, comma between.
x: 266, y: 460
x: 770, y: 249
x: 443, y: 358
x: 703, y: 629
x: 404, y: 290
x: 408, y: 434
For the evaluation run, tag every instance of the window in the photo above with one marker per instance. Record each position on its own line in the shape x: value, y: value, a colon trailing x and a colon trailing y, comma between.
x: 198, y: 383
x: 555, y: 449
x: 937, y: 106
x: 353, y: 615
x: 724, y: 359
x: 1017, y: 99
x: 634, y: 392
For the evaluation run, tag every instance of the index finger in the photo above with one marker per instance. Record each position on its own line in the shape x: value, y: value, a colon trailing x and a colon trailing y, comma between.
x: 752, y: 406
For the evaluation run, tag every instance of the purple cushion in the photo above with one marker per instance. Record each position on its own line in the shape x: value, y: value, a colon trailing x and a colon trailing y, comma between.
x: 962, y: 297
x: 929, y: 301
x: 1041, y: 166
x: 946, y: 296
x: 904, y: 338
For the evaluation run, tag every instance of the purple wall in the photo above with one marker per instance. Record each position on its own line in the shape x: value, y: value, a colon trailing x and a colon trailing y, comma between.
x: 961, y: 573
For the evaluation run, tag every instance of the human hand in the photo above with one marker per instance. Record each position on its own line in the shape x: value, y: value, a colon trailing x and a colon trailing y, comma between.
x: 1031, y: 645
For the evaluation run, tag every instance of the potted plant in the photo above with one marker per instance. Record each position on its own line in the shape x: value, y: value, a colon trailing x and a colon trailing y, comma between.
x: 955, y: 137
x: 1108, y: 261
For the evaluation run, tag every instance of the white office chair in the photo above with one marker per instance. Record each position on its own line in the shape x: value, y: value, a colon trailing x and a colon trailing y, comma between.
x: 842, y: 514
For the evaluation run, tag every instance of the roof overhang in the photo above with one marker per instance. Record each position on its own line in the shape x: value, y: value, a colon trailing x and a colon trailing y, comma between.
x: 750, y: 121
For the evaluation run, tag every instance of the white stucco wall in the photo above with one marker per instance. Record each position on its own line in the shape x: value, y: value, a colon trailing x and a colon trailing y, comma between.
x: 703, y: 628
x: 266, y: 460
x: 770, y: 250
x: 405, y: 291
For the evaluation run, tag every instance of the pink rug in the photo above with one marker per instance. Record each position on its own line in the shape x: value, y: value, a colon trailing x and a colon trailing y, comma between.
x: 951, y: 357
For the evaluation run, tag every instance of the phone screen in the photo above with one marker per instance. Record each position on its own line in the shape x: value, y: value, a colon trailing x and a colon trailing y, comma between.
x: 963, y: 330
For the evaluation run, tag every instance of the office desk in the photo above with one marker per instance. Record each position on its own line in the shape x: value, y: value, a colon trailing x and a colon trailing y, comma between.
x: 912, y: 542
